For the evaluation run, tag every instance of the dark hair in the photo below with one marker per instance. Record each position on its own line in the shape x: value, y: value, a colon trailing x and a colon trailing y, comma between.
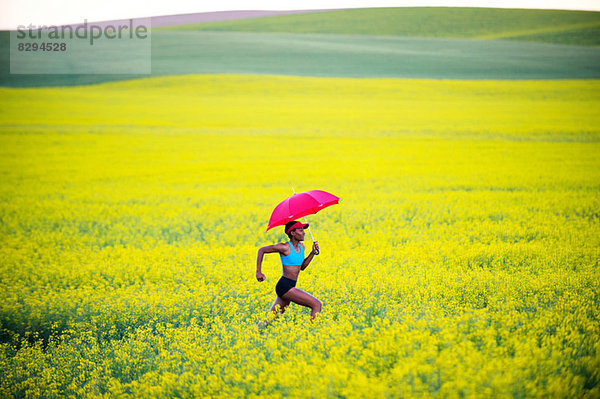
x: 287, y: 226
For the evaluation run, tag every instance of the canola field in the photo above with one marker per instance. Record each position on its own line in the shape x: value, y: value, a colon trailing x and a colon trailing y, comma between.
x: 462, y: 261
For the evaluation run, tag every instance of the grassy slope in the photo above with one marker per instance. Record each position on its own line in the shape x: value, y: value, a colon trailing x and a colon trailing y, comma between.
x: 256, y: 46
x: 367, y: 56
x: 565, y: 27
x: 204, y: 52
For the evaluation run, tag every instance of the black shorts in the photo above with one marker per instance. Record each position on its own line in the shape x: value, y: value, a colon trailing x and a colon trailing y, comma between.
x: 284, y: 285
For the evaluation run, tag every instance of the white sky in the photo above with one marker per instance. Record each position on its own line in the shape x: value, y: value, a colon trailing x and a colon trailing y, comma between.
x: 55, y: 12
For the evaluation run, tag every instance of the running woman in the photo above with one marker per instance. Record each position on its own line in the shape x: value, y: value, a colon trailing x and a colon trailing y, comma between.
x: 293, y: 261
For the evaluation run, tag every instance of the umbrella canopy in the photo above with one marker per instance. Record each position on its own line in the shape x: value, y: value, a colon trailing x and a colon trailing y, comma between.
x: 301, y: 204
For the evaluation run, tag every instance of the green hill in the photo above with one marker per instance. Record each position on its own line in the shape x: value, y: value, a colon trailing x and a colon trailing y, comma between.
x: 425, y: 43
x: 328, y: 55
x: 551, y: 26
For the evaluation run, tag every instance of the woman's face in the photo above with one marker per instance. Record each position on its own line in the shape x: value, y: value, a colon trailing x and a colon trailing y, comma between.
x: 298, y: 234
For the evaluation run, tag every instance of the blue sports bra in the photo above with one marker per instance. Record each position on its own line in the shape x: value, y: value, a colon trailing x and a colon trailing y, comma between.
x: 294, y: 258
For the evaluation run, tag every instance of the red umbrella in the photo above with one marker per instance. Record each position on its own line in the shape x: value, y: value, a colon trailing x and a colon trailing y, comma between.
x: 301, y: 204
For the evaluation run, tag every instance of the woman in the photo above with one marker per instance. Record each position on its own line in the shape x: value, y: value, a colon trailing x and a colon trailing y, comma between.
x: 293, y: 261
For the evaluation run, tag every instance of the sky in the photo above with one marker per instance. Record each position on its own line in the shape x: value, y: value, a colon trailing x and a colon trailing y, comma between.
x: 54, y: 12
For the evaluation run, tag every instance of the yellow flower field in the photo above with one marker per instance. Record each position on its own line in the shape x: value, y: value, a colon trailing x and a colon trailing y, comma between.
x: 462, y: 261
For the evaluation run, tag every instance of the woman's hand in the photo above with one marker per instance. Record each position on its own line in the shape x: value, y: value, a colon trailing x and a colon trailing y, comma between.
x: 260, y: 276
x: 315, y: 248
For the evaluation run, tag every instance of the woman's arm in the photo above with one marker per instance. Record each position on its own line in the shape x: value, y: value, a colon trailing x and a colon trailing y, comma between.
x: 310, y: 256
x: 261, y: 253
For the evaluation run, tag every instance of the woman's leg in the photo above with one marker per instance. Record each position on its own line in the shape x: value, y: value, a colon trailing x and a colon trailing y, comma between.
x: 300, y: 297
x: 282, y: 303
x: 278, y: 307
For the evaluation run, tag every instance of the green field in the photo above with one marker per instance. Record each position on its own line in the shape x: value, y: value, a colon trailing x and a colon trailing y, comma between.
x: 462, y: 260
x: 423, y: 43
x: 550, y: 26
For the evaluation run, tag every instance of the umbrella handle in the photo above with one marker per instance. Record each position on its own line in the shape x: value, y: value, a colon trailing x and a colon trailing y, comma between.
x: 311, y: 236
x: 306, y: 222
